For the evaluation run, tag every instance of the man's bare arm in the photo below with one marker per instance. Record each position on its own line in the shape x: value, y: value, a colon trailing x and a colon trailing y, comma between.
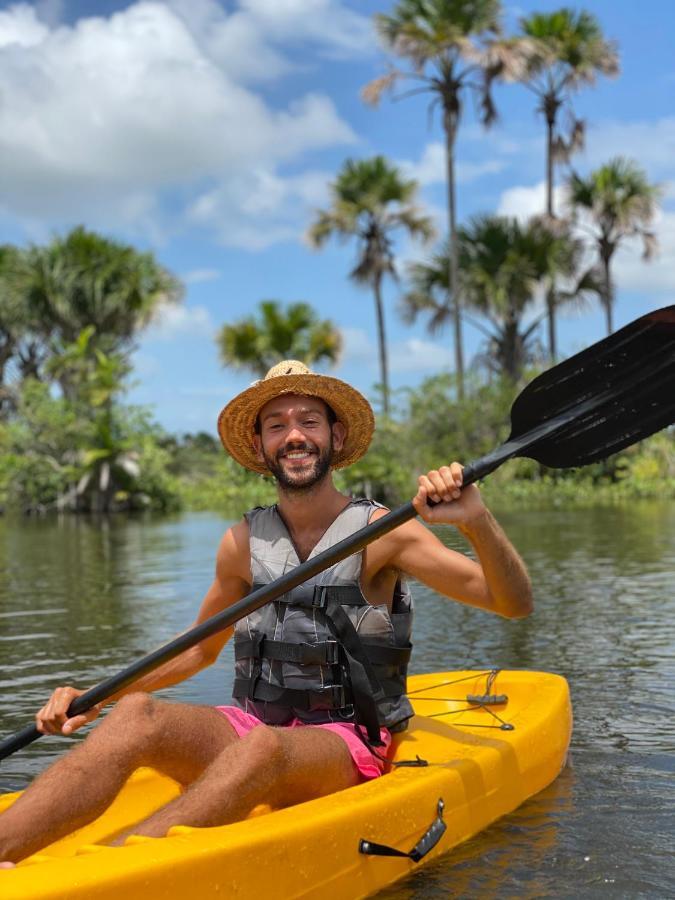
x: 229, y: 585
x: 498, y: 583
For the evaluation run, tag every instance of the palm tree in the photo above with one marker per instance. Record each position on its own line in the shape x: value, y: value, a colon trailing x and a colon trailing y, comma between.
x: 84, y: 279
x: 258, y: 342
x: 453, y: 49
x: 22, y: 347
x: 613, y: 203
x: 370, y: 201
x: 503, y: 268
x: 566, y: 51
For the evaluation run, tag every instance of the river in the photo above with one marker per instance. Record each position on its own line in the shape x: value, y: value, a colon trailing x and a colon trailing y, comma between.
x: 80, y: 599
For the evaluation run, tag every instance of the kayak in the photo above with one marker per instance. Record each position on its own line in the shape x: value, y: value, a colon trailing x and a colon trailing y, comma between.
x: 479, y: 745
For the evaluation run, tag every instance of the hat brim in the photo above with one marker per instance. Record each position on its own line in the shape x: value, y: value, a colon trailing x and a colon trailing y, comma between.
x: 236, y: 422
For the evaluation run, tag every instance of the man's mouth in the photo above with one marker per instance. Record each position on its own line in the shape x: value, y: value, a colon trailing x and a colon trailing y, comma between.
x: 298, y: 454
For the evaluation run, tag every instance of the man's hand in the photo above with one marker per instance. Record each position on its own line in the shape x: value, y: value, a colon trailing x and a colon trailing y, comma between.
x: 456, y: 505
x: 53, y: 717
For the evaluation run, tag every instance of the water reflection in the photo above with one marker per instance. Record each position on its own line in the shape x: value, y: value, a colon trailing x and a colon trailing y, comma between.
x: 80, y: 599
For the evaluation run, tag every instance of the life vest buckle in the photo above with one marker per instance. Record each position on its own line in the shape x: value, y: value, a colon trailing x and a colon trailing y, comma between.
x: 320, y: 596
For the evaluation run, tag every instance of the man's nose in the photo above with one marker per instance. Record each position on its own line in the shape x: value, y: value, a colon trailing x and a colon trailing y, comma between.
x: 295, y: 435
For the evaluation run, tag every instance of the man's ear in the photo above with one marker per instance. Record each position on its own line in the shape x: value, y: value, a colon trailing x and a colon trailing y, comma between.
x: 339, y: 435
x: 257, y: 446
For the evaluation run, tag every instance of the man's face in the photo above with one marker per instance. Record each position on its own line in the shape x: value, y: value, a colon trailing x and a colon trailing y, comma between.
x: 297, y: 441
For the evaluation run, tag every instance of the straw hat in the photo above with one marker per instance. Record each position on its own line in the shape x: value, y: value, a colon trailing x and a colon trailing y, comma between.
x: 236, y: 422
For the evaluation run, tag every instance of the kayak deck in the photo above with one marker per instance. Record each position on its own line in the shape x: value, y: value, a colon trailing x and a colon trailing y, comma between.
x: 484, y: 759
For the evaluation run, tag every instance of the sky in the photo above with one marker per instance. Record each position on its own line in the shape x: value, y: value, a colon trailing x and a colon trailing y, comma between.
x: 209, y: 132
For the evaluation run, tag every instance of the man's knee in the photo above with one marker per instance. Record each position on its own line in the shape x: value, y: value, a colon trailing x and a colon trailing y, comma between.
x: 266, y: 745
x: 134, y: 715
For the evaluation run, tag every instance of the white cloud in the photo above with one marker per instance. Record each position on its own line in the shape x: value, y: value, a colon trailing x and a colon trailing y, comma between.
x: 177, y: 321
x: 410, y: 356
x: 260, y: 208
x: 20, y: 27
x: 341, y: 30
x: 103, y: 119
x: 199, y: 276
x: 523, y: 201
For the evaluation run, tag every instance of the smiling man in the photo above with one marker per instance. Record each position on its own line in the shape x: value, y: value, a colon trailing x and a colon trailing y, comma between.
x: 320, y: 674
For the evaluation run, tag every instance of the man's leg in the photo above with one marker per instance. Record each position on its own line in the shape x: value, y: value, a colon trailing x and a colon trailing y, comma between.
x: 179, y: 740
x: 279, y: 766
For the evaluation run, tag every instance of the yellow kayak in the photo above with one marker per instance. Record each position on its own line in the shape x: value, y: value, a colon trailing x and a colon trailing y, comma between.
x: 489, y: 740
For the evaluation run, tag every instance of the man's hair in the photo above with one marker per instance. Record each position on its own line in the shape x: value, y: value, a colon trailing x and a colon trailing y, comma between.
x: 330, y: 415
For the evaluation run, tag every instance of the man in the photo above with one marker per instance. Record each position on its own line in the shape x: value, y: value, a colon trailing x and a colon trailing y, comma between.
x: 320, y: 674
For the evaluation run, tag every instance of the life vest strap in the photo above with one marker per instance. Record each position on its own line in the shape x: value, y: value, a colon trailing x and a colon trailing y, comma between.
x: 331, y: 697
x: 324, y: 653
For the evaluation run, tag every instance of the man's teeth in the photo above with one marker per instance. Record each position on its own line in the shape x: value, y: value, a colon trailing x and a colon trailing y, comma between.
x: 297, y: 454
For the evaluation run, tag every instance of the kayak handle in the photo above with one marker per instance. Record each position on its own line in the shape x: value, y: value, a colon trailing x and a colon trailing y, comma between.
x: 427, y: 842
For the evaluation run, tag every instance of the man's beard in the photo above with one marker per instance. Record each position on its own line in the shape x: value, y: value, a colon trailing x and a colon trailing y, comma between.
x: 301, y: 480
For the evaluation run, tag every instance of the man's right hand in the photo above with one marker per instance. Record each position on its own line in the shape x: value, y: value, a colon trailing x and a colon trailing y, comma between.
x: 53, y: 717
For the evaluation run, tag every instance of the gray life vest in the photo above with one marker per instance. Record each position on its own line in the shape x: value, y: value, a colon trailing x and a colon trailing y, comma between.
x: 322, y: 652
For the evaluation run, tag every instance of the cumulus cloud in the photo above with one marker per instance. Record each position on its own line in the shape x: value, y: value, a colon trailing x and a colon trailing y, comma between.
x: 524, y: 201
x: 173, y: 321
x: 114, y: 119
x: 199, y: 276
x: 409, y: 356
x: 260, y: 208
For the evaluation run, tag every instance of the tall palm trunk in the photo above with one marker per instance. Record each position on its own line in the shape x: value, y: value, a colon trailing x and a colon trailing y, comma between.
x: 379, y: 310
x: 550, y: 109
x: 607, y: 291
x: 450, y: 123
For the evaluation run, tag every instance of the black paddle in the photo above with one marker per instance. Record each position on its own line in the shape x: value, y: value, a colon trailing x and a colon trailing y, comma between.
x: 599, y: 401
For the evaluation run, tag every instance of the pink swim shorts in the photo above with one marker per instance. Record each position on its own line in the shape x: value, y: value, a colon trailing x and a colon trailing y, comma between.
x: 368, y: 765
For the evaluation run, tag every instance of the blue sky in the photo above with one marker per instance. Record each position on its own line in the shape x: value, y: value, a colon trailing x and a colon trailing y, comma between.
x: 208, y: 132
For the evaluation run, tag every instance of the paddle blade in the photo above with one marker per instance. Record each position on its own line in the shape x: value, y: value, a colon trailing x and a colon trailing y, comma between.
x: 615, y: 393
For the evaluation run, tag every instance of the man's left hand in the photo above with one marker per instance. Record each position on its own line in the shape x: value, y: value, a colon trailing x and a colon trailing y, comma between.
x: 456, y: 505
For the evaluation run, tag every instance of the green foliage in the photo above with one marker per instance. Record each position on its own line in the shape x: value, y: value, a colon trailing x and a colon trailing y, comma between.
x: 370, y: 201
x: 225, y: 486
x: 84, y: 279
x: 619, y: 202
x: 259, y: 342
x: 53, y: 454
x: 503, y: 266
x: 385, y: 473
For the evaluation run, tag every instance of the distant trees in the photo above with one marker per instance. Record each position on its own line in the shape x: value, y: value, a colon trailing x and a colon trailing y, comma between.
x: 370, y: 201
x: 69, y: 313
x: 614, y: 203
x: 503, y: 268
x: 565, y: 50
x: 49, y: 294
x: 259, y: 341
x: 454, y: 51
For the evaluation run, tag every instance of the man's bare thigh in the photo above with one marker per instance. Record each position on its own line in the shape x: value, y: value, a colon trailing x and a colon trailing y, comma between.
x: 187, y: 739
x: 317, y: 763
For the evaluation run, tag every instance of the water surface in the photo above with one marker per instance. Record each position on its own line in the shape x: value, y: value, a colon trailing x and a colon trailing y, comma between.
x: 80, y: 599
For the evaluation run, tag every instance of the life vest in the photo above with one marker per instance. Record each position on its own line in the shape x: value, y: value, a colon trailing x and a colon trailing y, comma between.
x: 322, y: 652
